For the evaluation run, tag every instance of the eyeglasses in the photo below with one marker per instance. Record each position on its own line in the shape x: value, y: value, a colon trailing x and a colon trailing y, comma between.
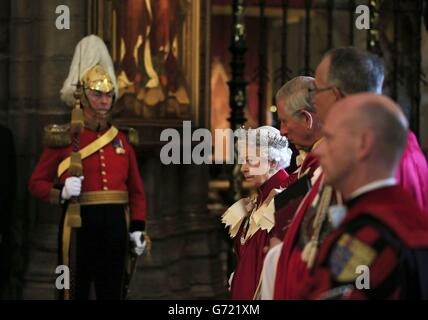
x: 314, y: 91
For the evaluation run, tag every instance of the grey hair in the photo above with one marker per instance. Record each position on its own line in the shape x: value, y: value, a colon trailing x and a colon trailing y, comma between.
x: 297, y: 93
x: 354, y: 70
x: 294, y: 85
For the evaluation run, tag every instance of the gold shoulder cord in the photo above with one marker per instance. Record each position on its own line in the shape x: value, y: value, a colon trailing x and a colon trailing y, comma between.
x: 89, y: 149
x: 311, y: 248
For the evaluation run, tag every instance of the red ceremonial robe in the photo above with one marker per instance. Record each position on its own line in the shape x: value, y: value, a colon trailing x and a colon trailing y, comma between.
x: 412, y: 174
x: 291, y: 270
x: 284, y: 215
x: 250, y: 255
x: 380, y: 229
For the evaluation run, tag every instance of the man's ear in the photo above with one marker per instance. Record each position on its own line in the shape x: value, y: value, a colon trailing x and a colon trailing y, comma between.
x: 366, y: 144
x: 308, y: 118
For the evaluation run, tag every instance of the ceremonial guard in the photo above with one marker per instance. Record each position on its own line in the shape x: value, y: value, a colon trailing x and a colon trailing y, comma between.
x: 89, y: 167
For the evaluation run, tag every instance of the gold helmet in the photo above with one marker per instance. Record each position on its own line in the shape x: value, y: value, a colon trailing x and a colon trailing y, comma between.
x: 93, y: 64
x: 97, y: 79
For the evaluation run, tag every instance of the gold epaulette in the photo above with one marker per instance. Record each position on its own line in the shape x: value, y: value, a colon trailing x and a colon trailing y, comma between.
x: 132, y: 135
x: 57, y: 136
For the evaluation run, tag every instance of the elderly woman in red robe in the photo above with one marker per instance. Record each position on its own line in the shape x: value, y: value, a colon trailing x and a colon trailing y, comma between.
x: 264, y: 154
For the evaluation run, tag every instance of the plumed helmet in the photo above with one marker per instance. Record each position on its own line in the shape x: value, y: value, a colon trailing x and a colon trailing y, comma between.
x: 93, y: 63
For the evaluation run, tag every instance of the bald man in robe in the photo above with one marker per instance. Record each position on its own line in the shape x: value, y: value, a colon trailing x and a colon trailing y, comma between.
x: 378, y: 248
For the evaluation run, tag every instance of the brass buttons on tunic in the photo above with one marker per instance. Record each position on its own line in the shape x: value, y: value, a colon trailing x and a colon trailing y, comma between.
x: 103, y: 172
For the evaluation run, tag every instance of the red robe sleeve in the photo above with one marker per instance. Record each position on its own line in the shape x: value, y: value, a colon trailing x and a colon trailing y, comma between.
x: 412, y: 173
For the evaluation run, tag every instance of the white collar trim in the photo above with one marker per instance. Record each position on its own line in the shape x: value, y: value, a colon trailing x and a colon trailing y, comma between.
x: 373, y: 186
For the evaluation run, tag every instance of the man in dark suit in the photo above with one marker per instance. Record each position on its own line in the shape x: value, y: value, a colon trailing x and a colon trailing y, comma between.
x: 7, y: 194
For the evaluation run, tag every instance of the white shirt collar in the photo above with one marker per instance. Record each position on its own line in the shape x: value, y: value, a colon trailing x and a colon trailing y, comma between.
x: 301, y: 157
x: 373, y: 186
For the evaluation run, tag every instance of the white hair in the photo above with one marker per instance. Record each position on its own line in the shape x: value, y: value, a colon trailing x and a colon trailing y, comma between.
x: 90, y: 51
x: 272, y: 145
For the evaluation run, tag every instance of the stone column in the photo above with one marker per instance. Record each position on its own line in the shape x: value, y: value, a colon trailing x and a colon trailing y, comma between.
x: 4, y: 59
x: 39, y: 60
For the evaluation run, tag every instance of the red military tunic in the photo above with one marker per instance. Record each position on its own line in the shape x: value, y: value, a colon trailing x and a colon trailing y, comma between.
x: 381, y: 228
x: 103, y: 170
x: 250, y: 255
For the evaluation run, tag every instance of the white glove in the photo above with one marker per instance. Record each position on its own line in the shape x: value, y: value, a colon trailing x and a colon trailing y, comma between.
x: 139, y: 245
x: 72, y: 187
